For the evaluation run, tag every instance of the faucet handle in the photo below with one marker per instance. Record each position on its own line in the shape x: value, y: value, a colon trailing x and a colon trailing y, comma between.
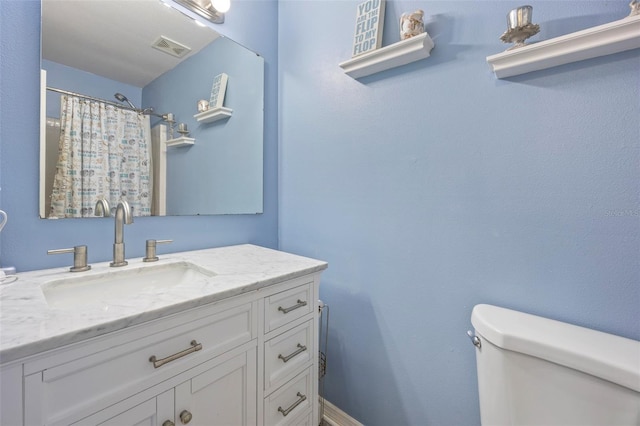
x: 151, y: 249
x: 79, y: 257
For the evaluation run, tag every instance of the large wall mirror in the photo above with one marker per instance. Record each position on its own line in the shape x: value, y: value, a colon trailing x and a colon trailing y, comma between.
x: 121, y: 86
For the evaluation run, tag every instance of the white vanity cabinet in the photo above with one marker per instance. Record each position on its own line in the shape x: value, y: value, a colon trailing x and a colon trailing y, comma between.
x: 250, y: 359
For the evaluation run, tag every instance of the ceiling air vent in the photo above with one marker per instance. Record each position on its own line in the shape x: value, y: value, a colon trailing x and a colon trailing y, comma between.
x: 171, y: 47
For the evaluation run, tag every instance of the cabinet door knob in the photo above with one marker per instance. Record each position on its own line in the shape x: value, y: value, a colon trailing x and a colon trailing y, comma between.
x: 168, y: 423
x: 185, y: 417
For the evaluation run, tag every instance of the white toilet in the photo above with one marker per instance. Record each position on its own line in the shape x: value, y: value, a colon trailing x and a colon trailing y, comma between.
x: 537, y: 371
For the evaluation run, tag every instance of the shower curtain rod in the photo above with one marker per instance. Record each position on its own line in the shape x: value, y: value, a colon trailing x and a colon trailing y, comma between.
x: 148, y: 111
x: 91, y: 98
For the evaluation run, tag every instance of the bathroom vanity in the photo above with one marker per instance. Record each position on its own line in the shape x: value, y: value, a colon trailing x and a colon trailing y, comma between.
x: 223, y: 336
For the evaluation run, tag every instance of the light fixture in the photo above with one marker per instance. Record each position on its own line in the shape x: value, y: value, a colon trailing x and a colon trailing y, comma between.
x: 211, y: 10
x: 221, y: 6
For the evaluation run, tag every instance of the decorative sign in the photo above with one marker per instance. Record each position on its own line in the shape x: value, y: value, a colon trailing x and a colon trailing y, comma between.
x: 218, y: 90
x: 369, y: 22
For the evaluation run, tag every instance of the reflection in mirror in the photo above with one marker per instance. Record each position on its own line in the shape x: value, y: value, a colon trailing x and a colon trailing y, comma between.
x: 121, y: 85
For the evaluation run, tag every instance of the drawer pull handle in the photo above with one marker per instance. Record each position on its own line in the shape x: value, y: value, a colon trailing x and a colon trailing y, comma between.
x: 157, y: 363
x: 301, y: 399
x: 288, y: 357
x: 300, y: 304
x: 168, y: 423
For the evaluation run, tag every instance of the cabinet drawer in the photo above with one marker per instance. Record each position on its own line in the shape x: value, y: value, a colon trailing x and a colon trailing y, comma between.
x: 284, y: 406
x: 282, y: 308
x: 286, y: 354
x: 109, y: 375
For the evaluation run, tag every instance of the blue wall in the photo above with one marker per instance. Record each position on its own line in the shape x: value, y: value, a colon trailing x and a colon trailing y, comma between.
x: 25, y: 239
x: 227, y: 154
x: 433, y: 187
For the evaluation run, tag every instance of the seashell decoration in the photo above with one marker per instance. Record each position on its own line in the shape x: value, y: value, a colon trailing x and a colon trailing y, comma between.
x: 411, y: 24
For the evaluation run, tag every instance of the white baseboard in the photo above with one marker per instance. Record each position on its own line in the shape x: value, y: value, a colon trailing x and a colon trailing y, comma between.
x: 333, y: 416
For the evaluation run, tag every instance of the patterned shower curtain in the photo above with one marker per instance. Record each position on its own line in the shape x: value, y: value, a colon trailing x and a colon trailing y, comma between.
x: 104, y: 152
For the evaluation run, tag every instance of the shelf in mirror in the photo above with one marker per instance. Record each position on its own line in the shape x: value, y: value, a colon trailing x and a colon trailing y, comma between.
x: 181, y: 141
x: 213, y: 114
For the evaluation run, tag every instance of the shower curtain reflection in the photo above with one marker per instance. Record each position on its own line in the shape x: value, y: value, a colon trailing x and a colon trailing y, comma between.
x: 103, y: 152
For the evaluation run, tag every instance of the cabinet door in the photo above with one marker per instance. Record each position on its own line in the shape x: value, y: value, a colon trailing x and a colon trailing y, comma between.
x: 140, y: 415
x: 11, y: 395
x: 224, y: 395
x: 153, y: 412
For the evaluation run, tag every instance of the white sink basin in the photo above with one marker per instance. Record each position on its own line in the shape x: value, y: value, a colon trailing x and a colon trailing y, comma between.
x: 120, y: 286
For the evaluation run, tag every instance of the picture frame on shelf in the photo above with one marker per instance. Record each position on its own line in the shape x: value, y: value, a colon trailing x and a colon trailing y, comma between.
x: 369, y: 27
x: 218, y: 91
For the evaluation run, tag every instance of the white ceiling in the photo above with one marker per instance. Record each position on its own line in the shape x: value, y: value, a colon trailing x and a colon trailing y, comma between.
x: 113, y: 38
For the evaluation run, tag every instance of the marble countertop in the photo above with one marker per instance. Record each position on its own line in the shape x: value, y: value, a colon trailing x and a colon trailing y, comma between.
x: 29, y: 325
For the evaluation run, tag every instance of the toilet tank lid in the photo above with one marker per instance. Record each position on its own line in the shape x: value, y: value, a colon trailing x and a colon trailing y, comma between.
x: 610, y: 357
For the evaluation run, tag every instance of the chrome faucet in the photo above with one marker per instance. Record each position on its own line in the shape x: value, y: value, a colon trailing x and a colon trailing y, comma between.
x: 123, y: 217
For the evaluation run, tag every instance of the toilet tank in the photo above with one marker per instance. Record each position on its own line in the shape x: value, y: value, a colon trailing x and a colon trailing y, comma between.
x: 537, y: 371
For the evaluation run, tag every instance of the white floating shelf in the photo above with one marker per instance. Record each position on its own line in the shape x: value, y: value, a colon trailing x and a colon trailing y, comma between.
x: 392, y: 56
x: 181, y: 141
x: 606, y: 39
x: 214, y: 114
